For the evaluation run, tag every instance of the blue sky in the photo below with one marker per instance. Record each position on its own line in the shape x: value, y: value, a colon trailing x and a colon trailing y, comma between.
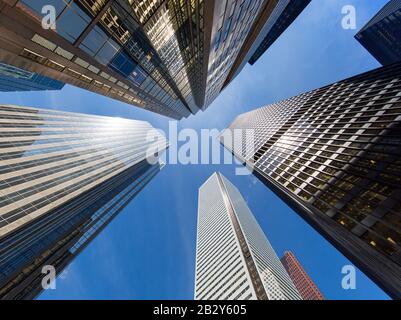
x: 148, y: 251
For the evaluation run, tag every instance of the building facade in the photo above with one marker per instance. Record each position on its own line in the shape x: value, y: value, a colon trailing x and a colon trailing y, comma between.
x: 63, y: 178
x: 283, y: 16
x: 167, y: 56
x: 381, y: 35
x: 304, y: 284
x: 334, y: 155
x: 17, y: 79
x: 279, y: 19
x: 234, y: 259
x: 235, y: 27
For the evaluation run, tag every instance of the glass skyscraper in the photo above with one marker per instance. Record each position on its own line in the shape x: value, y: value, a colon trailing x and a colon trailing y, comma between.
x: 283, y: 16
x: 63, y: 178
x: 334, y: 155
x: 172, y: 57
x: 381, y: 35
x: 234, y: 259
x: 17, y: 79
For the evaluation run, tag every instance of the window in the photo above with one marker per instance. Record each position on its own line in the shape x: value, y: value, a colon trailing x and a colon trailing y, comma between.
x: 107, y: 53
x: 138, y: 76
x: 123, y: 64
x: 54, y: 65
x: 72, y: 22
x: 94, y: 41
x: 217, y: 43
x: 228, y: 27
x: 37, y: 5
x: 33, y: 56
x: 81, y: 62
x: 44, y: 42
x: 64, y: 53
x: 93, y: 69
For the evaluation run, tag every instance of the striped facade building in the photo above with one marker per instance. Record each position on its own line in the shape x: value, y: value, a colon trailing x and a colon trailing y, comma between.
x: 234, y: 259
x: 302, y: 281
x: 334, y: 155
x: 63, y: 178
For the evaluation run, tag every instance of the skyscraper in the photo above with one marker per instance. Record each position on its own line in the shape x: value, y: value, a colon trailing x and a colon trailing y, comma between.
x: 17, y: 79
x: 283, y: 16
x: 334, y: 155
x: 234, y: 260
x: 63, y: 178
x: 304, y: 284
x: 381, y: 35
x: 167, y: 56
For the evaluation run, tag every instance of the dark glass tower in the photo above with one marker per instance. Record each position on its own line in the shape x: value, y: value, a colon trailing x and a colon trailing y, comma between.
x: 173, y: 57
x: 17, y: 79
x: 334, y: 155
x: 63, y: 178
x: 381, y: 35
x: 284, y: 15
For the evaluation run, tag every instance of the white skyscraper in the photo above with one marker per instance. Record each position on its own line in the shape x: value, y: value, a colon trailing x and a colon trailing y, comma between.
x: 234, y: 259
